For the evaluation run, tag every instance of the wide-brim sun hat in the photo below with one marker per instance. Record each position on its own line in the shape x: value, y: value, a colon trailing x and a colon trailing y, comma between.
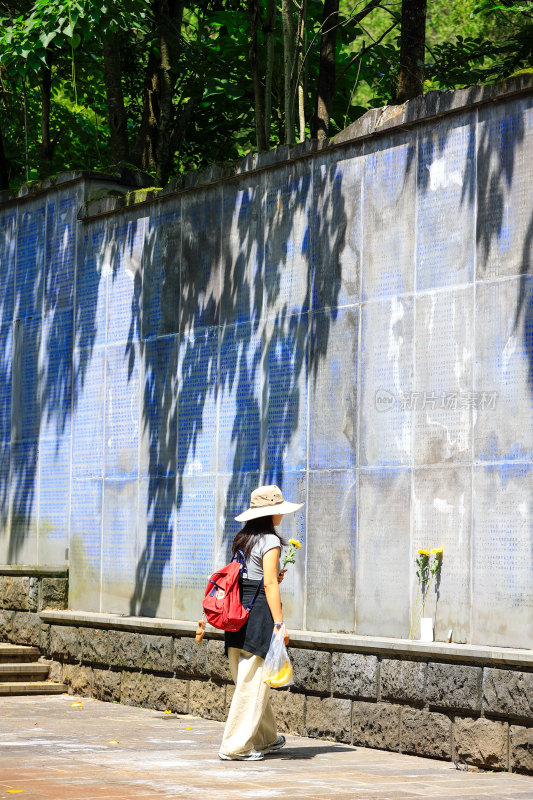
x: 267, y: 500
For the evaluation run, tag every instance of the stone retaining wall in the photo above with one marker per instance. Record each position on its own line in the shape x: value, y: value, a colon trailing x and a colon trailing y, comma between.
x: 479, y: 713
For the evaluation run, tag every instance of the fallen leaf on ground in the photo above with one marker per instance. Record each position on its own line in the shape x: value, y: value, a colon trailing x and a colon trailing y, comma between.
x: 77, y: 705
x: 14, y: 791
x: 168, y: 712
x: 188, y: 728
x: 112, y: 741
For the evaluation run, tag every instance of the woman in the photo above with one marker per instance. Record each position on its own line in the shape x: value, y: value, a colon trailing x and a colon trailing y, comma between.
x: 250, y: 730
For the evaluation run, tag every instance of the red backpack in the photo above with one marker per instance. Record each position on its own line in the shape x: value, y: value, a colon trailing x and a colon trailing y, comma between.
x: 222, y: 604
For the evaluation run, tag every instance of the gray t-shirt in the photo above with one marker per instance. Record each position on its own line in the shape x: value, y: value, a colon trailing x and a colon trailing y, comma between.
x: 255, y: 559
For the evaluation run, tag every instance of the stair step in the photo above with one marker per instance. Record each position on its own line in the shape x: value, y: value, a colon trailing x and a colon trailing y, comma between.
x: 17, y: 652
x: 23, y: 672
x: 33, y: 687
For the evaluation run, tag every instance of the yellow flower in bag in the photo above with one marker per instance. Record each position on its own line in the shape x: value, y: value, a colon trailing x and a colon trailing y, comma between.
x: 282, y: 677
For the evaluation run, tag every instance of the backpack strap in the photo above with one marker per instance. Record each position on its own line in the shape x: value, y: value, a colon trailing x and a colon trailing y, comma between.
x: 252, y: 601
x: 239, y: 556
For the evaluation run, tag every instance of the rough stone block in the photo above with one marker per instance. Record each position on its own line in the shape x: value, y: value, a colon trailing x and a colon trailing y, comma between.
x: 14, y: 592
x: 5, y: 624
x: 521, y: 748
x: 54, y: 593
x: 454, y: 686
x: 288, y: 709
x: 44, y: 638
x: 312, y: 670
x: 55, y: 669
x: 207, y: 700
x: 425, y: 733
x: 64, y: 644
x: 94, y: 645
x: 482, y: 742
x: 376, y: 725
x: 508, y: 693
x: 354, y: 675
x: 140, y: 650
x: 153, y: 691
x: 328, y: 718
x: 25, y: 628
x: 190, y: 658
x: 217, y: 662
x: 33, y: 595
x: 403, y: 681
x: 78, y: 679
x: 106, y: 685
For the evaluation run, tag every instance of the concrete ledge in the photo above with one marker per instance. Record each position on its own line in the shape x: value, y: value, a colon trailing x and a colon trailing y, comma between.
x: 496, y: 656
x: 44, y: 571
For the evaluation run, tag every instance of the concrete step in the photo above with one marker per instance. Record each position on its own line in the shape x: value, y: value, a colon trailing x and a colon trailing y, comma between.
x: 17, y: 653
x: 23, y: 672
x: 31, y: 687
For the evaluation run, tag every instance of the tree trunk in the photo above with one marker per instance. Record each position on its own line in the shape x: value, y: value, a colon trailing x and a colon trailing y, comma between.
x: 301, y: 38
x: 145, y: 148
x: 4, y: 165
x: 412, y: 50
x: 268, y: 31
x: 253, y: 10
x: 118, y: 123
x: 170, y: 19
x: 326, y: 70
x: 47, y: 146
x: 288, y: 66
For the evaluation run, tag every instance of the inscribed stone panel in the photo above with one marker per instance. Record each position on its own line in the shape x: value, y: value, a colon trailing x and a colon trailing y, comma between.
x: 88, y: 413
x: 445, y: 192
x: 333, y: 388
x: 442, y: 518
x: 30, y: 261
x: 233, y: 497
x: 289, y: 254
x: 200, y: 259
x: 161, y: 257
x: 195, y: 542
x: 154, y: 577
x: 61, y: 213
x: 242, y: 251
x: 383, y: 552
x: 504, y: 196
x: 443, y: 398
x: 159, y: 407
x: 389, y: 216
x: 8, y: 242
x: 331, y: 537
x: 119, y: 542
x: 124, y: 250
x: 502, y: 578
x: 85, y: 554
x: 56, y: 372
x: 240, y: 388
x: 337, y: 202
x: 386, y: 378
x: 54, y: 499
x: 197, y: 402
x: 284, y: 422
x: 503, y: 422
x: 293, y: 526
x: 92, y: 270
x: 122, y: 412
x: 26, y: 396
x: 24, y: 493
x: 6, y: 369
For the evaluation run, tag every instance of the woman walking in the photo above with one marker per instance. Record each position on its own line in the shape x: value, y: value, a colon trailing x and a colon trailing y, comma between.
x: 250, y: 730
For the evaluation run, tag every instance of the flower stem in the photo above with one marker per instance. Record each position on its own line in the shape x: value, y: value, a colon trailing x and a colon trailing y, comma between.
x: 414, y: 609
x: 424, y: 601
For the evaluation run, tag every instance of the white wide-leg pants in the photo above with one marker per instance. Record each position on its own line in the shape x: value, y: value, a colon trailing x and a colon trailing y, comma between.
x: 250, y: 724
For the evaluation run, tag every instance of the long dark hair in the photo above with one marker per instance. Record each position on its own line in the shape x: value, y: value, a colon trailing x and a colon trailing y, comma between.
x: 253, y: 532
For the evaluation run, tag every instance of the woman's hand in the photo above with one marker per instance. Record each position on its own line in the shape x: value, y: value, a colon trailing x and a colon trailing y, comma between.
x: 281, y: 575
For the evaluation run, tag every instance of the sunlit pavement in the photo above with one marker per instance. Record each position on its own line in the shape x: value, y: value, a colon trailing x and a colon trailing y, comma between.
x: 67, y: 747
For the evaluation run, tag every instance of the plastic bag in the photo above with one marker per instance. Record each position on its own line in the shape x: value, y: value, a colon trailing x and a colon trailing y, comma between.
x: 277, y: 669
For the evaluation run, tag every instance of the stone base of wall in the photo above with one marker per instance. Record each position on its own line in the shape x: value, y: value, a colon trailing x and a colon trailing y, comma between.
x: 478, y: 713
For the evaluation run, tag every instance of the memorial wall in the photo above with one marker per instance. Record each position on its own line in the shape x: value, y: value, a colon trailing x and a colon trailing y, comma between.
x: 355, y: 325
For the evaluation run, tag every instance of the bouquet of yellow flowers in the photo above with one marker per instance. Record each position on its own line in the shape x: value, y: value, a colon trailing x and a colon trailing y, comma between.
x: 294, y: 545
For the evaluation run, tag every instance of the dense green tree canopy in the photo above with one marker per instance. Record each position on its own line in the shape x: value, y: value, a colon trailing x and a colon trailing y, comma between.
x: 167, y: 86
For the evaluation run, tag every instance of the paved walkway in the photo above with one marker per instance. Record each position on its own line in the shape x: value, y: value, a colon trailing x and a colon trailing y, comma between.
x: 65, y: 748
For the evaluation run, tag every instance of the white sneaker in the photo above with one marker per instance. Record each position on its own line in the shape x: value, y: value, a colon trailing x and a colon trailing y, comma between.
x: 253, y: 755
x: 278, y: 744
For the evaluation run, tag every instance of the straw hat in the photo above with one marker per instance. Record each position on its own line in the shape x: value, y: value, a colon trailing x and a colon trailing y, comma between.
x: 267, y: 500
